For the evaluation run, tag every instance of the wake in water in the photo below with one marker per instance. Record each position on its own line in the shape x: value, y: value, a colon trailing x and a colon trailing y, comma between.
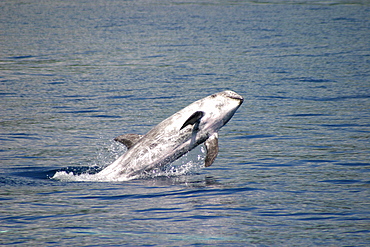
x: 187, y: 164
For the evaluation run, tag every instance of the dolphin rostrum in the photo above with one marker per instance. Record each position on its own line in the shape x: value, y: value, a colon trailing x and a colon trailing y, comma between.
x: 175, y: 136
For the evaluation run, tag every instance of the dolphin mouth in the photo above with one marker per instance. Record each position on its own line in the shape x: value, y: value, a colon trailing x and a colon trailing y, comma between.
x: 237, y: 98
x: 233, y: 95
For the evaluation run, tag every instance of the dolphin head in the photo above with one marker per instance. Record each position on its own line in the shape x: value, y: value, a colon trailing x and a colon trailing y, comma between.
x: 205, y: 116
x: 218, y: 109
x: 230, y: 102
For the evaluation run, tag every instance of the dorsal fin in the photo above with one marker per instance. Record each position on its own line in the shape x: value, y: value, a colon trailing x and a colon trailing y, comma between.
x: 212, y: 149
x: 194, y: 118
x: 128, y: 139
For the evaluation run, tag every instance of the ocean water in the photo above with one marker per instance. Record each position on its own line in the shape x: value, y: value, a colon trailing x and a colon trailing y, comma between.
x: 294, y: 162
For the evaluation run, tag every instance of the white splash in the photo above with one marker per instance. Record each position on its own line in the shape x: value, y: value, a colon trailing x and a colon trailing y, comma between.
x: 187, y: 164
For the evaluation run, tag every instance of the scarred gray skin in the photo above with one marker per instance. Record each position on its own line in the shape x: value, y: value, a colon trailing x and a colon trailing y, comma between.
x: 173, y: 137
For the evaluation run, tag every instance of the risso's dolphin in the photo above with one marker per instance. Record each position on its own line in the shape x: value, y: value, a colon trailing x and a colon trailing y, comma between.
x: 175, y: 136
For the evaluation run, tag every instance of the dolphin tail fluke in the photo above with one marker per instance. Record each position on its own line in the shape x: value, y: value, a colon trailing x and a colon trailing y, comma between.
x: 128, y: 140
x: 212, y: 149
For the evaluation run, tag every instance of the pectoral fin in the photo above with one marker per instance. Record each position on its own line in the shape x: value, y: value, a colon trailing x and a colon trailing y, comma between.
x: 194, y: 118
x: 212, y: 149
x: 128, y: 139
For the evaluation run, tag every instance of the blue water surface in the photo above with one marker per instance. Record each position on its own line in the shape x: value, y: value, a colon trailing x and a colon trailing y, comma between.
x: 294, y: 162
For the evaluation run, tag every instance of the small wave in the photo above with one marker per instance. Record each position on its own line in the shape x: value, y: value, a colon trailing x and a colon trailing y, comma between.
x: 70, y: 174
x: 84, y: 177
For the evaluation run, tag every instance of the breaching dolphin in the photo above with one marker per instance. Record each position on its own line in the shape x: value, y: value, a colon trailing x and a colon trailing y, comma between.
x: 175, y: 136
